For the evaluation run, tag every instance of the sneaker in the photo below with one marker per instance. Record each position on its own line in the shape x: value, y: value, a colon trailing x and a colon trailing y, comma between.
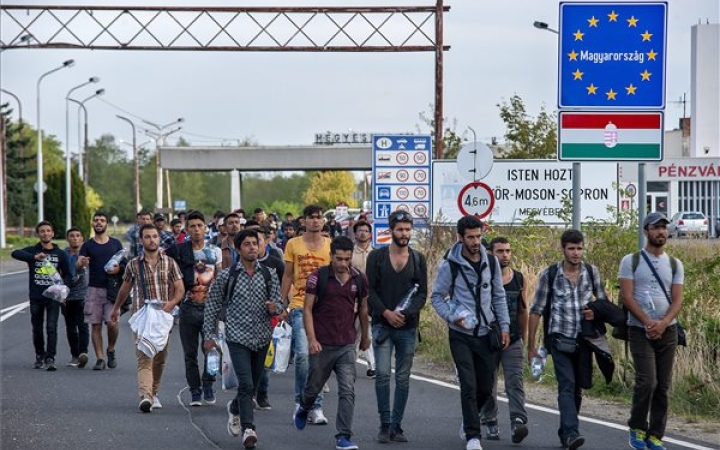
x: 316, y: 417
x: 574, y: 442
x: 156, y: 402
x: 50, y: 364
x: 74, y: 362
x: 145, y: 405
x: 39, y: 363
x: 396, y: 435
x: 301, y: 417
x: 384, y: 434
x: 196, y: 398
x: 344, y: 443
x: 111, y: 362
x: 326, y: 388
x: 492, y: 432
x: 82, y: 360
x: 249, y: 438
x: 473, y: 444
x: 99, y: 365
x: 519, y: 430
x: 233, y: 426
x: 262, y: 403
x: 637, y: 439
x: 463, y: 437
x: 370, y: 373
x: 209, y: 394
x: 654, y: 443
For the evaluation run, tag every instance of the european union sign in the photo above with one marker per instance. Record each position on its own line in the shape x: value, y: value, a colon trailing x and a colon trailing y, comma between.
x: 612, y: 55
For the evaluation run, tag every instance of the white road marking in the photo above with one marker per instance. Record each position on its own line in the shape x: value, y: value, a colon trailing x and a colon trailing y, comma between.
x: 12, y: 310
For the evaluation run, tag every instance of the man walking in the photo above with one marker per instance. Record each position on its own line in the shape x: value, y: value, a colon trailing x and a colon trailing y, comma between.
x: 651, y: 288
x: 78, y: 333
x: 467, y: 280
x: 133, y: 233
x: 96, y: 253
x: 512, y: 357
x: 250, y: 298
x: 303, y: 255
x: 394, y: 273
x: 363, y: 240
x: 151, y: 276
x: 167, y: 239
x: 36, y: 256
x: 230, y: 256
x: 332, y: 295
x: 563, y: 292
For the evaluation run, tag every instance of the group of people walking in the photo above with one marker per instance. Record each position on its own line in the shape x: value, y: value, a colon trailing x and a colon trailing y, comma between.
x: 341, y: 297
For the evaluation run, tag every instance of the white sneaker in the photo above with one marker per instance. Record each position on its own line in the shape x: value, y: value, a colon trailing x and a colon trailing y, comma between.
x: 473, y: 444
x: 249, y: 437
x: 462, y: 432
x: 233, y: 427
x: 316, y: 417
x: 156, y: 402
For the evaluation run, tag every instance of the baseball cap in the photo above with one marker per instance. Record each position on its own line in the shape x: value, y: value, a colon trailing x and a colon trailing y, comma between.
x: 158, y: 216
x: 653, y: 219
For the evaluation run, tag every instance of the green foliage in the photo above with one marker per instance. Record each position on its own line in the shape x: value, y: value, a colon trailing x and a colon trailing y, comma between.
x: 282, y: 207
x: 329, y: 188
x: 110, y: 173
x: 204, y: 191
x: 55, y: 203
x: 528, y: 137
x: 261, y: 192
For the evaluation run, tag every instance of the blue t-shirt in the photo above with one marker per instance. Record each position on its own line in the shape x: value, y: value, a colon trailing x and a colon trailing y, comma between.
x: 99, y: 255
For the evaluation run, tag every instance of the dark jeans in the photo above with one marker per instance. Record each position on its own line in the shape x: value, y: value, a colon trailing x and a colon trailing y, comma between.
x: 567, y: 367
x: 249, y: 366
x: 191, y: 338
x: 78, y: 332
x: 264, y: 385
x: 341, y: 359
x: 653, y: 361
x: 37, y: 318
x: 475, y: 368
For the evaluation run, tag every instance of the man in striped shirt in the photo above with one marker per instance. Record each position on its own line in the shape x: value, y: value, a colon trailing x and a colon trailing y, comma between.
x: 160, y: 279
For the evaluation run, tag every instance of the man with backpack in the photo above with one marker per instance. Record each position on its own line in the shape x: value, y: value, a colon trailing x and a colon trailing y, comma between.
x: 398, y: 291
x: 563, y: 293
x: 651, y: 288
x: 332, y: 294
x: 249, y: 299
x: 468, y: 294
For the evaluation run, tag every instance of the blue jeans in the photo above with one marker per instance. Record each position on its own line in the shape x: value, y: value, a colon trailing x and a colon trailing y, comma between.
x: 567, y: 367
x: 403, y: 341
x: 300, y: 348
x: 249, y: 366
x: 264, y: 385
x: 38, y: 307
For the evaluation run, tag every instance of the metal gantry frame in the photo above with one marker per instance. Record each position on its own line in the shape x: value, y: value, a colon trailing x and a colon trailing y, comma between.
x: 257, y: 29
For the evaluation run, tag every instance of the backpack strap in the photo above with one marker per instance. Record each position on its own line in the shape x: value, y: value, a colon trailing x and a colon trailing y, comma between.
x: 521, y: 282
x: 454, y: 269
x: 323, y: 273
x: 591, y: 273
x: 636, y: 262
x: 552, y: 271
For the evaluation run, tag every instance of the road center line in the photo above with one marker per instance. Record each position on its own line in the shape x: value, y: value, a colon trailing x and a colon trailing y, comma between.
x: 12, y: 310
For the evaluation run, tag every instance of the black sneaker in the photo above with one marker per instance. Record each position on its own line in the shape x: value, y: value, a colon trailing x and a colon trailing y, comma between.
x: 397, y: 435
x: 111, y: 362
x: 209, y: 394
x: 370, y: 373
x: 99, y: 365
x: 263, y: 404
x: 519, y: 430
x: 145, y: 405
x: 574, y: 442
x: 384, y: 434
x: 492, y: 432
x: 50, y: 364
x: 39, y: 362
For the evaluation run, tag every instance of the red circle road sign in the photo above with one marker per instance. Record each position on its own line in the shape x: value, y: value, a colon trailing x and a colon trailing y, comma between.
x: 476, y: 199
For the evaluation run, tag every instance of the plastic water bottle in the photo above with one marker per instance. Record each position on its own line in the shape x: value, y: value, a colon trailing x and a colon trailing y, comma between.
x: 405, y: 302
x: 538, y: 362
x: 460, y: 311
x: 115, y: 260
x: 213, y: 361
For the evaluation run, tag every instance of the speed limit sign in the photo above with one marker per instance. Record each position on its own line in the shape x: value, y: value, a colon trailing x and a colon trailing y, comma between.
x: 476, y: 199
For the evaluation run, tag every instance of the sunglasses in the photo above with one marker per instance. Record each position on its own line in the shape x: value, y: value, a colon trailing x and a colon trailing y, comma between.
x: 400, y: 216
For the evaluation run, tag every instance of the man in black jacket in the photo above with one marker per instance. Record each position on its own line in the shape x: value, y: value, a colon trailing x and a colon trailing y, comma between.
x: 36, y: 257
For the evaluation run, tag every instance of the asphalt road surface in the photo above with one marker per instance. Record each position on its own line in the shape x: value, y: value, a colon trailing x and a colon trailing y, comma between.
x: 72, y: 408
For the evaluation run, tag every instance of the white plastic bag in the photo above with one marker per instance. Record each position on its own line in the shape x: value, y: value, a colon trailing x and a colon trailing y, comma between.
x: 57, y: 290
x: 227, y: 370
x: 282, y: 341
x: 152, y: 326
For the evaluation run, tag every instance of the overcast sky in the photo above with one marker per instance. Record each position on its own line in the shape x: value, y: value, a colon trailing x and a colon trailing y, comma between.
x: 285, y: 98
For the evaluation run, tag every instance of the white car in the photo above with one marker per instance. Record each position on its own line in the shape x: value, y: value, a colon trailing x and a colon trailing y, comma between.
x: 688, y: 223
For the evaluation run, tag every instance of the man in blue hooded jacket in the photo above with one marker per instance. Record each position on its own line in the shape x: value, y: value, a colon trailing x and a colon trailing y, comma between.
x: 469, y: 297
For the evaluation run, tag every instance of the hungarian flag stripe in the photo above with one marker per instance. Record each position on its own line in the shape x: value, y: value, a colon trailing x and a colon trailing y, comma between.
x: 622, y: 121
x: 625, y: 136
x: 619, y: 152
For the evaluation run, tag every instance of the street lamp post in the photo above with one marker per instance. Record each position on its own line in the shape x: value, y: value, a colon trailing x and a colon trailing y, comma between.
x: 160, y: 136
x: 40, y: 181
x: 68, y: 175
x: 3, y: 195
x: 83, y: 175
x: 136, y: 162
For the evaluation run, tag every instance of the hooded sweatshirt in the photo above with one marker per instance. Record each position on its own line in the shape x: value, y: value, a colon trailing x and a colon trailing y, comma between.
x: 492, y: 294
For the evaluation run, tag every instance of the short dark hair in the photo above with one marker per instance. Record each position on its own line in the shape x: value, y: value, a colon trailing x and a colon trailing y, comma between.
x: 326, y: 228
x: 244, y: 234
x: 288, y: 214
x: 498, y: 240
x: 175, y: 222
x: 468, y: 223
x: 100, y: 214
x: 230, y: 215
x: 341, y: 243
x: 571, y: 237
x: 218, y: 214
x: 361, y: 223
x: 72, y: 229
x: 251, y: 223
x: 195, y: 215
x: 258, y: 210
x: 44, y: 223
x: 288, y: 225
x: 399, y: 216
x: 143, y: 212
x: 309, y: 210
x: 146, y: 226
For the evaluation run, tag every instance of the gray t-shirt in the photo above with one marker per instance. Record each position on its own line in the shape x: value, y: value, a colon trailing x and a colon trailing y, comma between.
x: 646, y: 290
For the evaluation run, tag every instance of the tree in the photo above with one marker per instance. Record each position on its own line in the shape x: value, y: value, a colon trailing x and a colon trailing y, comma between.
x: 55, y: 203
x: 329, y: 188
x: 452, y: 142
x: 528, y: 137
x: 110, y: 173
x: 262, y: 192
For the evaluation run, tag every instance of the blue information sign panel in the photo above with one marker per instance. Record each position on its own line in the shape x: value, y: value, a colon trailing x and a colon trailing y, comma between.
x: 401, y: 181
x: 612, y: 55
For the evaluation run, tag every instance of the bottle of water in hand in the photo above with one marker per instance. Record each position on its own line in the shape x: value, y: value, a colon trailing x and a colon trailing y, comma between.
x: 538, y: 363
x: 213, y: 361
x: 407, y: 299
x: 460, y: 311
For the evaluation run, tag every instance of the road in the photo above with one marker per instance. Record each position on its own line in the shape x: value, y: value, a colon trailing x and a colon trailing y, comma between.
x: 72, y: 408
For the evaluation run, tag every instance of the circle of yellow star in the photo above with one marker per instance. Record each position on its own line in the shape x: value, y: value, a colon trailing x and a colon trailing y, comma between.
x: 572, y: 55
x: 612, y: 16
x: 578, y: 35
x: 645, y: 75
x: 577, y: 75
x: 593, y: 22
x: 591, y: 89
x: 632, y: 21
x: 646, y: 36
x: 611, y: 94
x: 631, y: 89
x: 651, y: 55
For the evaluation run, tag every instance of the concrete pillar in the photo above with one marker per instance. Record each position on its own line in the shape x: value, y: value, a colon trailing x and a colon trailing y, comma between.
x: 235, y: 193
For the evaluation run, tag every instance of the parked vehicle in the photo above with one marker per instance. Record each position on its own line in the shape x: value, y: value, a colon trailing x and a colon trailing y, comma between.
x: 688, y: 223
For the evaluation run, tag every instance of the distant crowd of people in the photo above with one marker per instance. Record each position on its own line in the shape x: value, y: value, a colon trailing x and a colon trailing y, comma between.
x: 342, y: 297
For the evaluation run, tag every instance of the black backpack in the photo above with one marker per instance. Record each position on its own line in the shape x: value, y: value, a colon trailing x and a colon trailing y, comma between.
x: 232, y: 280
